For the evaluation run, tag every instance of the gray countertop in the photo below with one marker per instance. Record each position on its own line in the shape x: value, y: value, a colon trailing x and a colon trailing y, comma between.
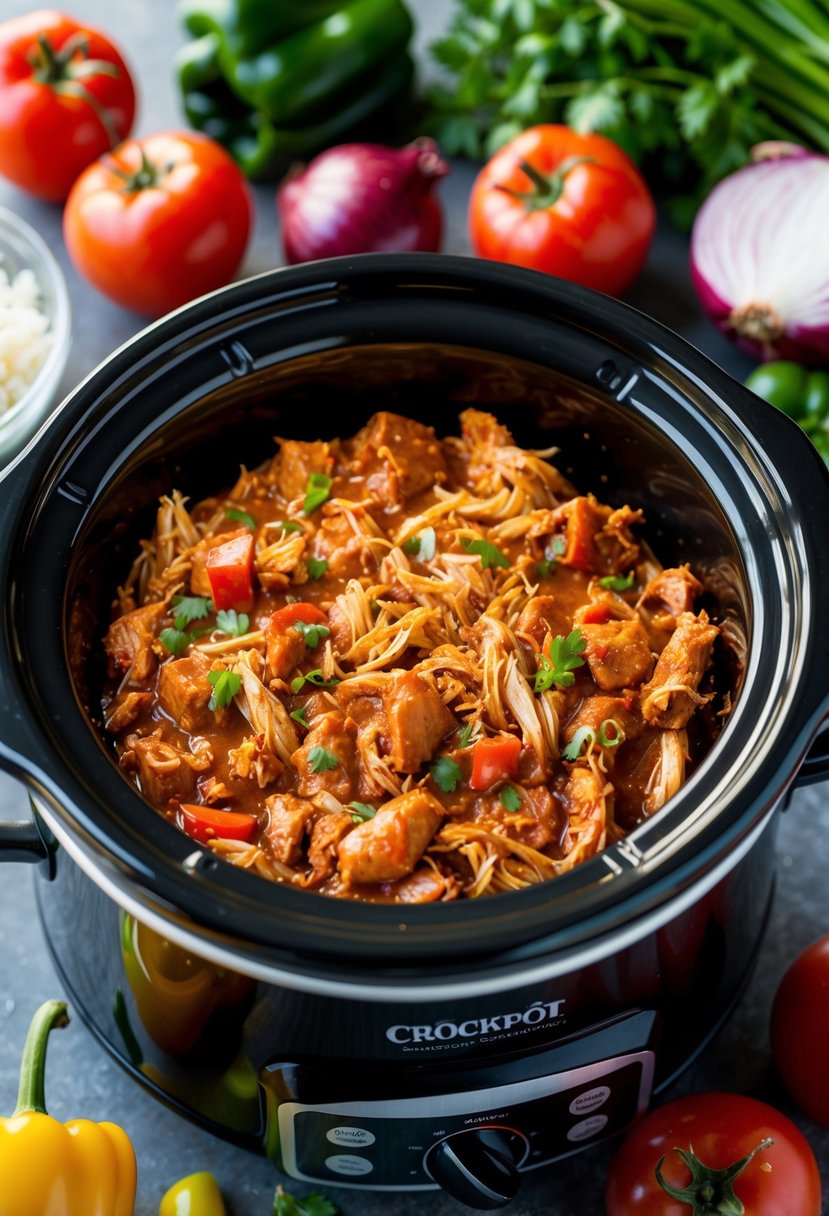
x: 83, y: 1080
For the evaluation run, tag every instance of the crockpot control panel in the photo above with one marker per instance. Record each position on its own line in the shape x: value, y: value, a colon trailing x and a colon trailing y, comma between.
x: 420, y: 1142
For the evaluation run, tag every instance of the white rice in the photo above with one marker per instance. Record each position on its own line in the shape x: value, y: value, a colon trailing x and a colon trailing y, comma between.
x: 24, y: 340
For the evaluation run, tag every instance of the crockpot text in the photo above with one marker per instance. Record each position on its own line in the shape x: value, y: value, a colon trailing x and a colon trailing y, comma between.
x: 534, y: 1015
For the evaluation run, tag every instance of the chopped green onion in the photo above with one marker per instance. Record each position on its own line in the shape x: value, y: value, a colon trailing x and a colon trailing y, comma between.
x: 613, y: 582
x: 606, y: 740
x: 242, y: 517
x: 316, y: 492
x: 290, y: 525
x: 316, y: 567
x: 362, y: 811
x: 320, y: 761
x: 489, y: 554
x: 412, y: 546
x: 585, y: 735
x: 423, y: 544
x: 299, y: 715
x: 510, y: 798
x: 445, y: 773
x: 226, y: 684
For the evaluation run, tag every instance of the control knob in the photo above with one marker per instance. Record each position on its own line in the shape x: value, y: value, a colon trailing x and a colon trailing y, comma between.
x: 478, y: 1167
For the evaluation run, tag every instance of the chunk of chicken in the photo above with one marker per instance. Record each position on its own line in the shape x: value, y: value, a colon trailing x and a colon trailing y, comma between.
x: 672, y: 591
x: 288, y: 822
x: 417, y: 718
x: 326, y: 834
x: 124, y: 708
x: 164, y: 773
x: 129, y: 641
x: 294, y: 463
x: 617, y: 653
x: 671, y: 696
x: 184, y: 691
x: 285, y: 648
x: 400, y: 457
x: 541, y: 616
x: 390, y: 845
x: 328, y: 762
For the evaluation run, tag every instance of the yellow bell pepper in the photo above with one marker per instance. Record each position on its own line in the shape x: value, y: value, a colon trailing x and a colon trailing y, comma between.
x: 195, y: 1195
x: 53, y: 1169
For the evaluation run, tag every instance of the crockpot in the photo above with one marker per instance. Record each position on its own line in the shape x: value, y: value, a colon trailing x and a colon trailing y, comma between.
x: 396, y: 1046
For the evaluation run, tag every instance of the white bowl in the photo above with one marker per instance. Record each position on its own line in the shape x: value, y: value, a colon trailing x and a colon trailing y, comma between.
x: 21, y: 247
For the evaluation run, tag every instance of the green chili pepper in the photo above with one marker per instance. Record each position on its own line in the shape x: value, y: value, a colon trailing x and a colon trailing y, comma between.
x: 275, y: 82
x: 801, y: 392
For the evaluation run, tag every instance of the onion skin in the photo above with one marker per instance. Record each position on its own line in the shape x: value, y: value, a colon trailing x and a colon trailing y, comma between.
x: 760, y: 256
x: 363, y: 198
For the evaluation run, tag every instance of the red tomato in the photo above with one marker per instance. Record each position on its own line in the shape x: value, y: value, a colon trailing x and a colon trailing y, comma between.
x: 66, y: 97
x: 206, y: 823
x: 572, y: 205
x: 284, y: 618
x: 494, y: 760
x: 230, y: 573
x: 799, y: 1028
x: 160, y: 221
x: 720, y: 1129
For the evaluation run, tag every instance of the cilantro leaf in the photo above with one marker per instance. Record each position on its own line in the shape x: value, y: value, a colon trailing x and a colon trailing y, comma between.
x: 232, y: 622
x: 565, y: 657
x: 226, y: 684
x: 191, y: 608
x: 312, y: 634
x: 466, y: 735
x: 362, y: 811
x: 242, y: 516
x: 316, y: 567
x: 615, y: 582
x: 489, y: 554
x: 445, y: 773
x: 321, y: 761
x: 316, y: 492
x: 510, y: 798
x: 314, y: 677
x: 176, y: 640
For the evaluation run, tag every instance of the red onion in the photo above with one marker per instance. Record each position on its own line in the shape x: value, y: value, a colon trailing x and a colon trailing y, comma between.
x: 362, y: 198
x: 760, y: 257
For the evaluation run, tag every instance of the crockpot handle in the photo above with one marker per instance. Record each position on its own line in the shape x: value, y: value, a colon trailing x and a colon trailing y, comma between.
x: 25, y: 840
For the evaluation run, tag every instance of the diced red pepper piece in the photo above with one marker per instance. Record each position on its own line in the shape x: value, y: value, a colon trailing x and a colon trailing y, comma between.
x: 494, y: 760
x: 581, y: 528
x: 230, y: 573
x: 594, y: 614
x: 206, y: 823
x: 284, y: 618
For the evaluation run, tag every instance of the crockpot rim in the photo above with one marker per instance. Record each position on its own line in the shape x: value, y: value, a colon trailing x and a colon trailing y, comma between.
x: 330, y: 277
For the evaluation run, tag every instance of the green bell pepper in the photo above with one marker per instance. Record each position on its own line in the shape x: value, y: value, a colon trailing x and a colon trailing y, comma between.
x: 801, y: 392
x: 273, y: 87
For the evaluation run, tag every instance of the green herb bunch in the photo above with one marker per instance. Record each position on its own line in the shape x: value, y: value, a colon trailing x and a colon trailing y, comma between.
x: 686, y: 87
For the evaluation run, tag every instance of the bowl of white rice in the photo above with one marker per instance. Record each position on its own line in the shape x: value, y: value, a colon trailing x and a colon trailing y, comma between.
x: 34, y: 332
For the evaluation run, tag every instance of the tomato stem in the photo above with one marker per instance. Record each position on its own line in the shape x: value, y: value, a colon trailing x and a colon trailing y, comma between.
x: 546, y: 191
x: 66, y: 69
x: 144, y: 178
x: 709, y: 1191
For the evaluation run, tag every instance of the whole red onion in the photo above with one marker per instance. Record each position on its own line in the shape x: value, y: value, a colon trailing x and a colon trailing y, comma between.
x: 760, y: 255
x: 362, y: 198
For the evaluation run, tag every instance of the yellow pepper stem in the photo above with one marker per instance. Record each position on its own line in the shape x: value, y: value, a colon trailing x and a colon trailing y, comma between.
x: 31, y: 1094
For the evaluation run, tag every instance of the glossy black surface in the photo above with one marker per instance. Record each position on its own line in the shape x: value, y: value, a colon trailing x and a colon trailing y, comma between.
x: 637, y: 413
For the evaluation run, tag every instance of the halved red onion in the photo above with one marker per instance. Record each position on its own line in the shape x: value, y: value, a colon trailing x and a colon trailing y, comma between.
x: 760, y: 257
x: 361, y: 198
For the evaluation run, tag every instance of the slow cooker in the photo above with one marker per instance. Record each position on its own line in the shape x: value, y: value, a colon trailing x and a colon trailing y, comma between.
x: 409, y: 1047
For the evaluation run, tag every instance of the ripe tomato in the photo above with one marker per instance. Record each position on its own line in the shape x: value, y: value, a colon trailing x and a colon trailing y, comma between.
x: 720, y: 1129
x: 66, y: 96
x: 799, y: 1021
x: 159, y: 221
x: 571, y: 205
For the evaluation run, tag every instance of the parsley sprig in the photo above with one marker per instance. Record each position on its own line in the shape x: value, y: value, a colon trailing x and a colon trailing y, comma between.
x: 312, y: 634
x: 232, y: 622
x: 316, y: 567
x: 321, y: 761
x: 313, y: 1204
x: 445, y: 773
x: 362, y: 812
x: 565, y: 657
x: 188, y: 608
